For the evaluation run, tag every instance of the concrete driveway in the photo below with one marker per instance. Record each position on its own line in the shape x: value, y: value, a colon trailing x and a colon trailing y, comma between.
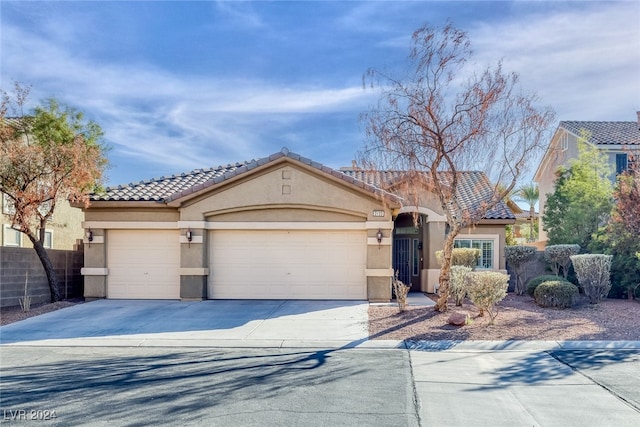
x: 219, y: 323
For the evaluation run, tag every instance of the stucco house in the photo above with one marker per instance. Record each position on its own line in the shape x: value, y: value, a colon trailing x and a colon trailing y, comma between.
x: 618, y: 140
x: 63, y: 230
x: 281, y: 227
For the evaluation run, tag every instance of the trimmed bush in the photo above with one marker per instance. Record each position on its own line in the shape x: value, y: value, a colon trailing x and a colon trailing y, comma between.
x: 559, y: 256
x: 486, y: 289
x: 458, y: 284
x: 593, y: 273
x: 467, y: 257
x: 556, y: 293
x: 536, y: 281
x: 517, y: 257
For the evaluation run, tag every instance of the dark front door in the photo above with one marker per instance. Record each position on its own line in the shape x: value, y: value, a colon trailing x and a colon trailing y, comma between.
x: 402, y: 259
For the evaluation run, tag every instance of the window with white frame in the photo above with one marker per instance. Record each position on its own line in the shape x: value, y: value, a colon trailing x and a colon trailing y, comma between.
x: 48, y: 239
x: 7, y: 205
x: 11, y: 237
x: 564, y: 142
x: 486, y: 247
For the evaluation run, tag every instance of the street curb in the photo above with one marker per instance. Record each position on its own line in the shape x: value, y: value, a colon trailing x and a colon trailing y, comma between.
x: 363, y: 344
x: 518, y: 345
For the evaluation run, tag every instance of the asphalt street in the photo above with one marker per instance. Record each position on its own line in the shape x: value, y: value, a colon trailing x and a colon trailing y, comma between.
x: 208, y: 387
x: 140, y: 386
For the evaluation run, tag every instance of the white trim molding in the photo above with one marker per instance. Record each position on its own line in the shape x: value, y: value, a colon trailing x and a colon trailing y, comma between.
x: 378, y: 272
x: 285, y: 225
x: 92, y: 271
x: 131, y: 225
x: 96, y: 239
x: 195, y: 271
x: 192, y: 224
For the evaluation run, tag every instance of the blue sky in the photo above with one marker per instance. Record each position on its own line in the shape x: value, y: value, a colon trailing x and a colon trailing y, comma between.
x: 184, y: 85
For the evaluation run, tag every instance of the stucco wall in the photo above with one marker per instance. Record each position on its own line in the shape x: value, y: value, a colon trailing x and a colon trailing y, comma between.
x: 285, y: 192
x: 283, y: 184
x: 66, y: 226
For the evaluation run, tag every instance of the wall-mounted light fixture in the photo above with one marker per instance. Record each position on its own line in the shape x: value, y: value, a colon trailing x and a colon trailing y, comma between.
x: 189, y: 235
x: 90, y: 236
x: 379, y: 237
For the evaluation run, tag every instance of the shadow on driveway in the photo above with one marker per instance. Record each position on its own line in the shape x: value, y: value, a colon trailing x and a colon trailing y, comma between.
x: 215, y: 319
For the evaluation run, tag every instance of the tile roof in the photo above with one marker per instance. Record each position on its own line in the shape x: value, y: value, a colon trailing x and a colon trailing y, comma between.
x: 167, y: 189
x: 473, y: 188
x: 607, y: 133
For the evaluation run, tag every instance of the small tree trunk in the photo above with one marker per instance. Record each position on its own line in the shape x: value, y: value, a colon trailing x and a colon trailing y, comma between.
x: 445, y: 272
x: 52, y: 277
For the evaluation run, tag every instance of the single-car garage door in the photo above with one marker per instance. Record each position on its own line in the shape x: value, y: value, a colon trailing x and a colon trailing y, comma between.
x: 143, y: 264
x: 287, y: 264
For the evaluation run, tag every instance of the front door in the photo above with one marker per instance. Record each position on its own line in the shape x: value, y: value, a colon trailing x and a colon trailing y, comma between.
x: 407, y: 250
x: 402, y: 259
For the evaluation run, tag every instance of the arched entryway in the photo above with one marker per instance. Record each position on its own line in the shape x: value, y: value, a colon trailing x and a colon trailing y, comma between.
x: 408, y: 249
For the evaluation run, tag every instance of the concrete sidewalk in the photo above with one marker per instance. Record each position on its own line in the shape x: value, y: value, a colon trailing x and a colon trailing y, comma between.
x: 519, y: 387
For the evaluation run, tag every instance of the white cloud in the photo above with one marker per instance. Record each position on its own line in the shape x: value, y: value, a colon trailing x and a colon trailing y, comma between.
x: 151, y: 114
x: 585, y: 61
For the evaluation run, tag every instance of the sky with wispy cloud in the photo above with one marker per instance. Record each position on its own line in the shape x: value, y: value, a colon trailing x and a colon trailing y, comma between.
x: 181, y: 85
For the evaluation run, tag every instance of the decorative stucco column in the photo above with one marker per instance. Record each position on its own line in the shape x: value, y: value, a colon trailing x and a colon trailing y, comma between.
x: 379, y: 262
x: 95, y: 264
x: 193, y: 262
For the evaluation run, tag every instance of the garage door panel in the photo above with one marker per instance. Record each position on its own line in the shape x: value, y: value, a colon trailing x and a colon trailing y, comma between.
x: 143, y: 264
x: 296, y: 264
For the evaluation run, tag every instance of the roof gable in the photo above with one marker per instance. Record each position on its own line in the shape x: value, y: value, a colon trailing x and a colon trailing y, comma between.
x: 603, y: 135
x: 187, y: 185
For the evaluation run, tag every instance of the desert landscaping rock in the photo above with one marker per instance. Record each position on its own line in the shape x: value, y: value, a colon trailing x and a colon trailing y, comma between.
x: 457, y: 319
x: 519, y: 318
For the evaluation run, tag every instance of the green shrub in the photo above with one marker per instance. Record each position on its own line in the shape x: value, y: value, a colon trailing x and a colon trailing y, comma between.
x: 467, y: 257
x: 486, y: 289
x: 517, y: 257
x: 536, y: 281
x: 559, y: 256
x: 458, y: 284
x: 556, y: 293
x: 593, y: 272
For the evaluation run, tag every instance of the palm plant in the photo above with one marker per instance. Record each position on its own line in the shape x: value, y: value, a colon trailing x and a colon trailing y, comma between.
x: 529, y: 194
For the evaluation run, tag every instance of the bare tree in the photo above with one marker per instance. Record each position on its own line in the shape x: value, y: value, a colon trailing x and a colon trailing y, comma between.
x: 442, y: 118
x: 45, y: 157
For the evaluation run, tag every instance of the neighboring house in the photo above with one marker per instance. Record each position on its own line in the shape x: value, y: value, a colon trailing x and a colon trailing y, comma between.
x: 618, y: 140
x: 523, y: 222
x: 63, y: 231
x: 282, y: 227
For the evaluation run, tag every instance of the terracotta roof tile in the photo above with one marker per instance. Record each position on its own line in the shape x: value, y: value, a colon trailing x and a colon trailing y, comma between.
x: 164, y: 190
x: 473, y: 188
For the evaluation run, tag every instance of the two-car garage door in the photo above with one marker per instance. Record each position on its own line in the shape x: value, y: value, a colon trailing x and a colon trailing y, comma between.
x: 287, y: 264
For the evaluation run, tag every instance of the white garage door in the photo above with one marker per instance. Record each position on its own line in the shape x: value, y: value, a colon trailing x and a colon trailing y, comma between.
x: 281, y: 264
x: 143, y: 264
